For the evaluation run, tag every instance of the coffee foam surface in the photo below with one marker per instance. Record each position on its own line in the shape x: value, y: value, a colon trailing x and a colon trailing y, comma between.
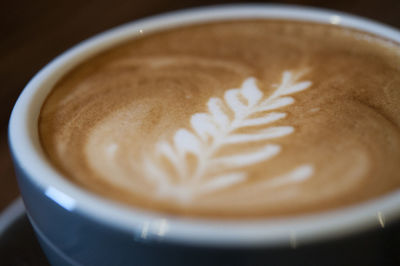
x: 252, y: 118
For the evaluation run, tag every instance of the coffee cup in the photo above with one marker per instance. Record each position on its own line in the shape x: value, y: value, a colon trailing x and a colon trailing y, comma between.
x: 256, y: 201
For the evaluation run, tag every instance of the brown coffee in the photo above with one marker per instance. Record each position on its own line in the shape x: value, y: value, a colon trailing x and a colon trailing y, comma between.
x: 245, y: 118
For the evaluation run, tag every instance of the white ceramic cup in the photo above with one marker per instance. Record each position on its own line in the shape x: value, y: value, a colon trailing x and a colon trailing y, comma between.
x: 59, y: 209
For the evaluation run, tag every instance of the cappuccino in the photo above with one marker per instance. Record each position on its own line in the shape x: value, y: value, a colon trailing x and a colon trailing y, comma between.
x: 235, y: 119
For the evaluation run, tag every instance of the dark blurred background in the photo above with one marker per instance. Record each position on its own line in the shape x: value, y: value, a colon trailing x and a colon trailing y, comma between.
x: 34, y: 32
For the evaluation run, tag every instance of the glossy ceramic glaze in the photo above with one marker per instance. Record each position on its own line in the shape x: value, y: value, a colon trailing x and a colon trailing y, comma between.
x: 76, y: 227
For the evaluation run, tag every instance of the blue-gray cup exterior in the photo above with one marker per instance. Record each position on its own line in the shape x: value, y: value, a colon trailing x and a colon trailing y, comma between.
x: 76, y: 227
x: 72, y: 238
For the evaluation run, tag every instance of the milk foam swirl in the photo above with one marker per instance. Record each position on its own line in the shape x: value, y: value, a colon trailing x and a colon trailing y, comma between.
x: 232, y: 119
x: 213, y: 130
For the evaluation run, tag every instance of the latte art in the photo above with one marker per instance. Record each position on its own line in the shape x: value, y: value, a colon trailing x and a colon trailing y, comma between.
x: 238, y: 119
x: 214, y: 130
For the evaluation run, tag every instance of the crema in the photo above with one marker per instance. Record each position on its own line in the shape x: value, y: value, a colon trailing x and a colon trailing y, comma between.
x: 232, y: 119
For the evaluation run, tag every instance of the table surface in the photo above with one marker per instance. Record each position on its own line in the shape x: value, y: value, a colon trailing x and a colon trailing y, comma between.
x: 34, y: 32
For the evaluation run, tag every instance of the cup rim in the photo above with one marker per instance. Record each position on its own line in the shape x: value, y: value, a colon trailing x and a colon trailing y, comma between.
x: 149, y: 225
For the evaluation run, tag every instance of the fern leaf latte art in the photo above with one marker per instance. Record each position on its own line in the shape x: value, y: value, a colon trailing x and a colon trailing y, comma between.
x: 216, y: 125
x: 232, y: 119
